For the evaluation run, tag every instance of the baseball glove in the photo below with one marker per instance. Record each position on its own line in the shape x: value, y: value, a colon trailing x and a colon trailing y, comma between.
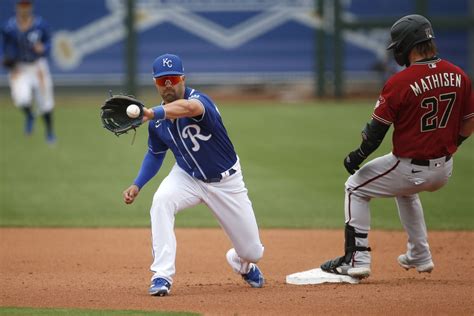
x: 8, y: 63
x: 114, y: 114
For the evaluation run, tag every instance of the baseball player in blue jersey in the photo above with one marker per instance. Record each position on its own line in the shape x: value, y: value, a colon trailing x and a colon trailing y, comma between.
x: 26, y: 44
x: 207, y: 170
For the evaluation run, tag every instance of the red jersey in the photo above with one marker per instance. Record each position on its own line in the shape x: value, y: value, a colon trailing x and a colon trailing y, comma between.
x: 426, y: 104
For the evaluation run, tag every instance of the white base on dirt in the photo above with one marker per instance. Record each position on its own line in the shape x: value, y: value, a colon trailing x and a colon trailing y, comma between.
x: 318, y: 276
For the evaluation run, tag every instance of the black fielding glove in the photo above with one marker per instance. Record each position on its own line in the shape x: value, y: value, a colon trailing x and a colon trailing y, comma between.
x: 8, y: 63
x: 114, y: 114
x: 353, y: 160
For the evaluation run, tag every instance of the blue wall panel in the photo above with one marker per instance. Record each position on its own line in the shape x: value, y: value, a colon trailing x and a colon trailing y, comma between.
x: 225, y: 38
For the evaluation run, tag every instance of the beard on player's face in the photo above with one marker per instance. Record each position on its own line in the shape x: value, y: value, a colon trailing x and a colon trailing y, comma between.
x: 169, y: 95
x: 172, y: 93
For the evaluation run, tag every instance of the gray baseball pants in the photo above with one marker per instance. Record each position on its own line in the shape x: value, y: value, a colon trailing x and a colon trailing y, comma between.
x: 391, y: 176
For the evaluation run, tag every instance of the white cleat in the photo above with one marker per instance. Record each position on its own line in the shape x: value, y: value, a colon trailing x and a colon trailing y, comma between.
x: 359, y: 273
x: 422, y: 268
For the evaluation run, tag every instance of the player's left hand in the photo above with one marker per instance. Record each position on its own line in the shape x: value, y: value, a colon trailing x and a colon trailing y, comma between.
x: 353, y: 160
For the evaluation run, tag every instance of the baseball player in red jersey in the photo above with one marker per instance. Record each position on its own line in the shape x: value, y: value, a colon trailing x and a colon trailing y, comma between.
x: 431, y: 107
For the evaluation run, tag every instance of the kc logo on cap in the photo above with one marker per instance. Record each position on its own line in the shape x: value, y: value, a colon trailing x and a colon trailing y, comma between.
x: 167, y: 65
x: 167, y: 62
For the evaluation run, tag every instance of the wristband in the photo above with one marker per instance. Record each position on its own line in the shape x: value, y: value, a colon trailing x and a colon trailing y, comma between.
x: 159, y: 112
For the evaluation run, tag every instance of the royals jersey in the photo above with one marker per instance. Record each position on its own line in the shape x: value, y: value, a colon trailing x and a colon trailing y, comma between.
x: 426, y: 104
x: 200, y: 145
x: 18, y: 45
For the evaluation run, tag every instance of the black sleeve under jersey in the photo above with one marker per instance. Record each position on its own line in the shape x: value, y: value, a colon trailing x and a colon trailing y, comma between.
x: 372, y: 136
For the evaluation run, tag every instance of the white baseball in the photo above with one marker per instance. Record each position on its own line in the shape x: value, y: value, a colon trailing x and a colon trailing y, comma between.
x: 133, y: 111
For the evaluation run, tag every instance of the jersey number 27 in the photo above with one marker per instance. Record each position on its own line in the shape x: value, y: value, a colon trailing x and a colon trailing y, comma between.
x: 429, y: 121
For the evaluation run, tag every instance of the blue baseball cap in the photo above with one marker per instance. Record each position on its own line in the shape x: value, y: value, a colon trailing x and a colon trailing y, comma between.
x: 167, y: 65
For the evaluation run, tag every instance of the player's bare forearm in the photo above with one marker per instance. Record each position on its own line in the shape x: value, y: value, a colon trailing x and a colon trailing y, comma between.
x: 183, y: 108
x: 177, y: 109
x: 467, y: 127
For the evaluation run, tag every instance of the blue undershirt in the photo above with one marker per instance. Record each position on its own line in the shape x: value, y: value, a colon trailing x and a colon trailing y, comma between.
x: 150, y: 166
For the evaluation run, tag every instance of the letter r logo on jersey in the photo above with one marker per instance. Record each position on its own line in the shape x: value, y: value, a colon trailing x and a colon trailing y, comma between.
x: 193, y: 135
x: 167, y: 62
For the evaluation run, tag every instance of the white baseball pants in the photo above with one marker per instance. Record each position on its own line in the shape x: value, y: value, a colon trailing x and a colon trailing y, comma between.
x: 390, y: 176
x: 30, y: 80
x: 228, y: 201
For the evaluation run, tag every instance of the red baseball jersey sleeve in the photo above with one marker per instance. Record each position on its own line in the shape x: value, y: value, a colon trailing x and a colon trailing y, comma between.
x: 426, y: 104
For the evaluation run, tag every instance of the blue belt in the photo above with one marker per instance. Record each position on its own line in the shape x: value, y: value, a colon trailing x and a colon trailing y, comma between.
x: 219, y: 178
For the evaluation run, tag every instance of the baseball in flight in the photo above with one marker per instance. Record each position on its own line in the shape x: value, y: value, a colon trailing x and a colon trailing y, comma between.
x: 133, y: 111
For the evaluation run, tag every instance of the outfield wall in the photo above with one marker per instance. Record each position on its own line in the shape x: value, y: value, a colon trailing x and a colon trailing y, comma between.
x: 224, y: 41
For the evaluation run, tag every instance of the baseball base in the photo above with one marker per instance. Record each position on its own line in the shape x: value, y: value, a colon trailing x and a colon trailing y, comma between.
x: 318, y: 276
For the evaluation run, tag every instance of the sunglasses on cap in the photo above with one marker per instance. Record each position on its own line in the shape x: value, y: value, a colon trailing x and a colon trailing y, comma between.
x: 166, y: 80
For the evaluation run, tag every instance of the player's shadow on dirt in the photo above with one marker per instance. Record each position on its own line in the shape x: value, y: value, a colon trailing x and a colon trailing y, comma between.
x: 412, y: 281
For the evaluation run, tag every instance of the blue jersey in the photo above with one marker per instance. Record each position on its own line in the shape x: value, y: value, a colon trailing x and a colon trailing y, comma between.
x: 200, y: 145
x: 18, y: 45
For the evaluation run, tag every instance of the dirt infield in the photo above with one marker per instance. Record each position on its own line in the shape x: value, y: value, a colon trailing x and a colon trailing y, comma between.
x: 108, y: 269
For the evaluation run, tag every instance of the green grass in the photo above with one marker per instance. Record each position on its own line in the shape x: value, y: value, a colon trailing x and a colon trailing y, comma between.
x: 291, y: 156
x: 23, y: 311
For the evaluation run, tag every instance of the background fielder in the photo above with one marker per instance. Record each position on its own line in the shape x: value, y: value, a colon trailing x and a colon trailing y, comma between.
x: 26, y: 44
x: 207, y: 170
x: 431, y: 106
